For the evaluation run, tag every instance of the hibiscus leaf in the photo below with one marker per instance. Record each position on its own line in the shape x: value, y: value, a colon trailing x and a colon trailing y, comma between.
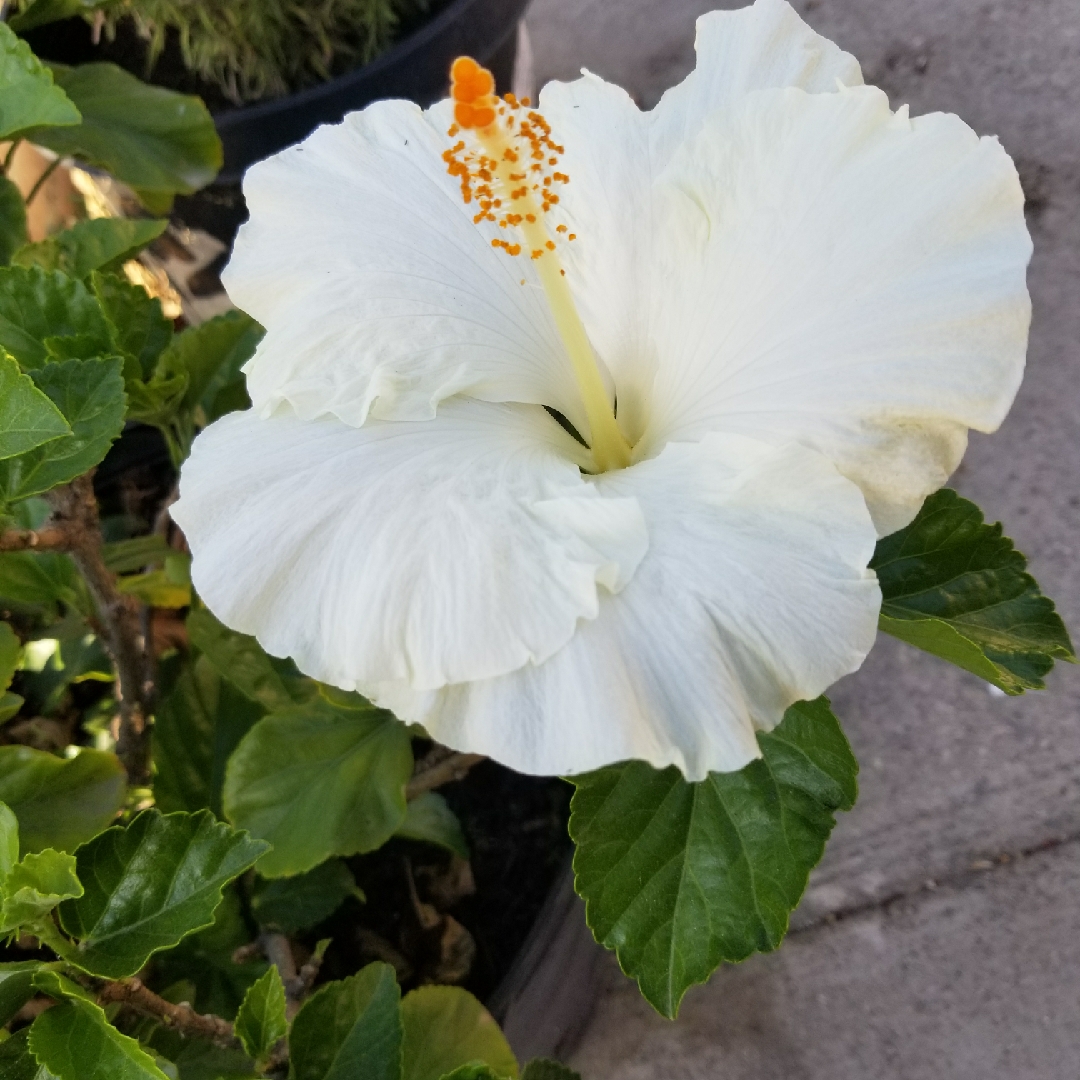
x: 9, y: 840
x: 445, y: 1027
x: 40, y: 577
x: 90, y: 396
x: 304, y: 900
x: 261, y: 1022
x: 430, y: 818
x: 28, y: 418
x: 60, y: 802
x: 240, y: 659
x: 151, y: 138
x: 75, y: 1041
x: 956, y: 587
x: 198, y: 725
x: 16, y: 1061
x: 138, y: 327
x: 28, y: 96
x: 98, y: 244
x: 16, y: 989
x: 350, y: 1028
x: 12, y: 220
x: 678, y: 877
x: 42, y: 308
x: 150, y: 884
x: 318, y: 780
x: 211, y: 354
x: 36, y: 885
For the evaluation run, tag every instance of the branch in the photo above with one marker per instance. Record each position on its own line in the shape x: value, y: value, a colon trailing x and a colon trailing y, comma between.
x: 42, y: 180
x: 183, y: 1018
x: 75, y: 513
x: 50, y: 538
x: 440, y: 766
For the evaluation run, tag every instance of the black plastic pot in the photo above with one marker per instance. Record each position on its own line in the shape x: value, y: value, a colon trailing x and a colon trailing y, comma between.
x: 415, y: 68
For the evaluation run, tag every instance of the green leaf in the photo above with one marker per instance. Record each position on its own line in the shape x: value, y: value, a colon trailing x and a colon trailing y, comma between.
x: 678, y: 877
x: 240, y: 659
x: 429, y: 817
x: 124, y: 556
x: 31, y: 577
x: 198, y: 725
x: 36, y: 885
x: 16, y: 989
x: 47, y: 980
x: 97, y: 244
x: 137, y: 325
x: 90, y: 396
x: 149, y: 885
x: 474, y: 1070
x: 10, y: 652
x: 10, y: 704
x: 9, y: 841
x: 28, y: 97
x: 41, y: 306
x: 301, y: 902
x: 16, y: 1061
x: 60, y: 802
x: 541, y: 1069
x: 205, y: 959
x: 75, y: 1041
x: 318, y: 780
x: 349, y: 1029
x: 157, y: 588
x: 148, y: 137
x: 41, y: 12
x: 156, y: 401
x: 198, y: 1060
x: 212, y: 353
x: 956, y: 587
x: 28, y: 418
x: 261, y: 1022
x: 445, y: 1027
x: 12, y: 220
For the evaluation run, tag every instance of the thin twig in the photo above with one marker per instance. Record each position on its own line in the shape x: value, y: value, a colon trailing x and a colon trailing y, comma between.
x: 75, y: 511
x: 9, y: 157
x: 182, y: 1018
x: 446, y: 767
x: 41, y: 180
x: 278, y: 950
x: 49, y: 538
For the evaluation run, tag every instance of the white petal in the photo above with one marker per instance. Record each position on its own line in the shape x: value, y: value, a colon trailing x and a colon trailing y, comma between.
x: 754, y: 594
x: 378, y: 292
x: 843, y: 276
x: 453, y: 549
x: 614, y: 153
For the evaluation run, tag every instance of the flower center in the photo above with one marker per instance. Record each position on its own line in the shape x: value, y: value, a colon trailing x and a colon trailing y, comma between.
x: 508, y: 176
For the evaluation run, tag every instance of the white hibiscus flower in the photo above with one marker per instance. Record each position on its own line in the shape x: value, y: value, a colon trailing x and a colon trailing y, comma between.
x: 782, y: 308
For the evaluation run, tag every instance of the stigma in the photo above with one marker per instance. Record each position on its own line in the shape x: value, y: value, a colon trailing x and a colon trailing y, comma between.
x: 506, y: 161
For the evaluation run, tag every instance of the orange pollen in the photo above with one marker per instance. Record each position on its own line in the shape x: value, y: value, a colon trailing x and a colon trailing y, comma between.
x: 482, y: 162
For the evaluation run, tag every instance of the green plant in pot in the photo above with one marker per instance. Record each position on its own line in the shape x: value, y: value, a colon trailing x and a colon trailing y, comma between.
x: 250, y: 50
